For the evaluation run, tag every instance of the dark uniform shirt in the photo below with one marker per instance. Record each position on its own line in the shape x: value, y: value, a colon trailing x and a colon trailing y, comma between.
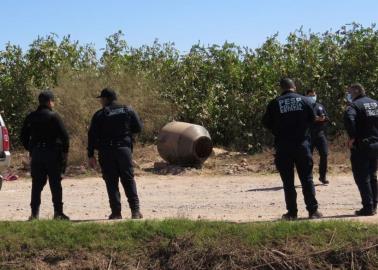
x: 361, y: 119
x: 319, y: 128
x: 113, y: 125
x: 44, y: 126
x: 289, y: 118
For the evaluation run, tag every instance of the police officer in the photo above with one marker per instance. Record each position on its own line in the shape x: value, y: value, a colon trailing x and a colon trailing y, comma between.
x: 361, y: 123
x: 45, y: 137
x: 289, y: 118
x: 318, y: 135
x: 111, y: 133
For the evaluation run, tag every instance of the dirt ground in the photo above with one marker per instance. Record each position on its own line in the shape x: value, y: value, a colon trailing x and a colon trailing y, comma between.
x: 232, y: 198
x: 222, y: 162
x: 230, y: 186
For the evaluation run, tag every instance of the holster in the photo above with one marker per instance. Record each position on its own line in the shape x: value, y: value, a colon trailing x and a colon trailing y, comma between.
x: 370, y: 147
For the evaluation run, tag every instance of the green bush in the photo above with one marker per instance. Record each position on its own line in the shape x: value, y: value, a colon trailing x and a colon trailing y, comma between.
x: 225, y: 88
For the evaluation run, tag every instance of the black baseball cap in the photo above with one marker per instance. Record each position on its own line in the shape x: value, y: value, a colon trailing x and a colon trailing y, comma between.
x: 46, y: 96
x: 108, y: 93
x: 287, y: 84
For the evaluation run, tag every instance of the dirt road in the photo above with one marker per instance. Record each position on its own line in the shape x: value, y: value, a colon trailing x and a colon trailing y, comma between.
x: 232, y: 198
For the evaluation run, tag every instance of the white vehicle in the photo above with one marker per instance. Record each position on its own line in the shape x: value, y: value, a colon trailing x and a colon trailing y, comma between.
x: 5, y: 155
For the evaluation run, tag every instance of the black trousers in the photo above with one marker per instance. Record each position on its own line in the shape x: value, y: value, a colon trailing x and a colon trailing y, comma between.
x: 291, y: 155
x: 319, y: 142
x: 365, y: 175
x: 116, y: 164
x: 46, y: 164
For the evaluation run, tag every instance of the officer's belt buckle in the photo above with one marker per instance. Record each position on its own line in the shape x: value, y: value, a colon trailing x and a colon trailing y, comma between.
x: 41, y: 145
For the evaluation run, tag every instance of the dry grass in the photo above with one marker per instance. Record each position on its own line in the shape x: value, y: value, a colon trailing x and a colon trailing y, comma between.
x: 184, y: 254
x: 76, y: 103
x: 187, y: 245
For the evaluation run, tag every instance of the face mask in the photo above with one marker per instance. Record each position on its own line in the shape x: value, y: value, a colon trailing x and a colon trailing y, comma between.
x: 349, y: 98
x: 312, y: 99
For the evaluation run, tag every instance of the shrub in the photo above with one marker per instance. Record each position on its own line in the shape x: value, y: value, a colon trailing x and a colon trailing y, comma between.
x: 225, y: 88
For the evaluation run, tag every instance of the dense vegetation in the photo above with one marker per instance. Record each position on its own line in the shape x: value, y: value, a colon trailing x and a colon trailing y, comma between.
x: 225, y: 88
x: 184, y: 244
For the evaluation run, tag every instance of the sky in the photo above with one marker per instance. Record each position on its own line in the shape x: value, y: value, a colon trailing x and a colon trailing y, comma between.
x: 184, y: 22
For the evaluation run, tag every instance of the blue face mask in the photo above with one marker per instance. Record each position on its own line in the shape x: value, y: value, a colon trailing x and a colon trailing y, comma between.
x: 349, y: 98
x: 312, y: 99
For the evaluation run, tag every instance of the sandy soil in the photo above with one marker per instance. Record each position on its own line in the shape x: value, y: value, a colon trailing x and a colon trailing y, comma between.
x: 231, y: 198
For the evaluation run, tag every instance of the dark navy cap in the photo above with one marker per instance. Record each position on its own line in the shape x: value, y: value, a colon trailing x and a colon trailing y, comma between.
x: 108, y: 93
x: 46, y: 96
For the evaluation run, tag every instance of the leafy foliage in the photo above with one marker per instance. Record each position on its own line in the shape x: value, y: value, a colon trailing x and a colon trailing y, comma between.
x: 225, y: 88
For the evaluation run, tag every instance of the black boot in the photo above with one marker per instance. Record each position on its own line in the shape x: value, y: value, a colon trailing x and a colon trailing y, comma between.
x: 366, y: 212
x: 58, y: 212
x: 60, y: 216
x: 115, y: 215
x: 315, y: 214
x: 289, y: 216
x: 34, y: 214
x: 324, y: 181
x: 136, y: 214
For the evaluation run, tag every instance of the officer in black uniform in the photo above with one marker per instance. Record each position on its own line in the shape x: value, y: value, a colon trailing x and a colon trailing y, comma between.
x: 318, y: 135
x: 361, y: 123
x: 45, y: 137
x: 111, y: 133
x: 289, y: 118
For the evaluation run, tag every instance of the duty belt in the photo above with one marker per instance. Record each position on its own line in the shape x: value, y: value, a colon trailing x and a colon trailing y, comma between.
x: 116, y: 144
x: 45, y: 144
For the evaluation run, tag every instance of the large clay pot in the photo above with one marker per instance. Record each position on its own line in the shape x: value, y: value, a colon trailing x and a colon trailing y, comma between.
x: 184, y: 144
